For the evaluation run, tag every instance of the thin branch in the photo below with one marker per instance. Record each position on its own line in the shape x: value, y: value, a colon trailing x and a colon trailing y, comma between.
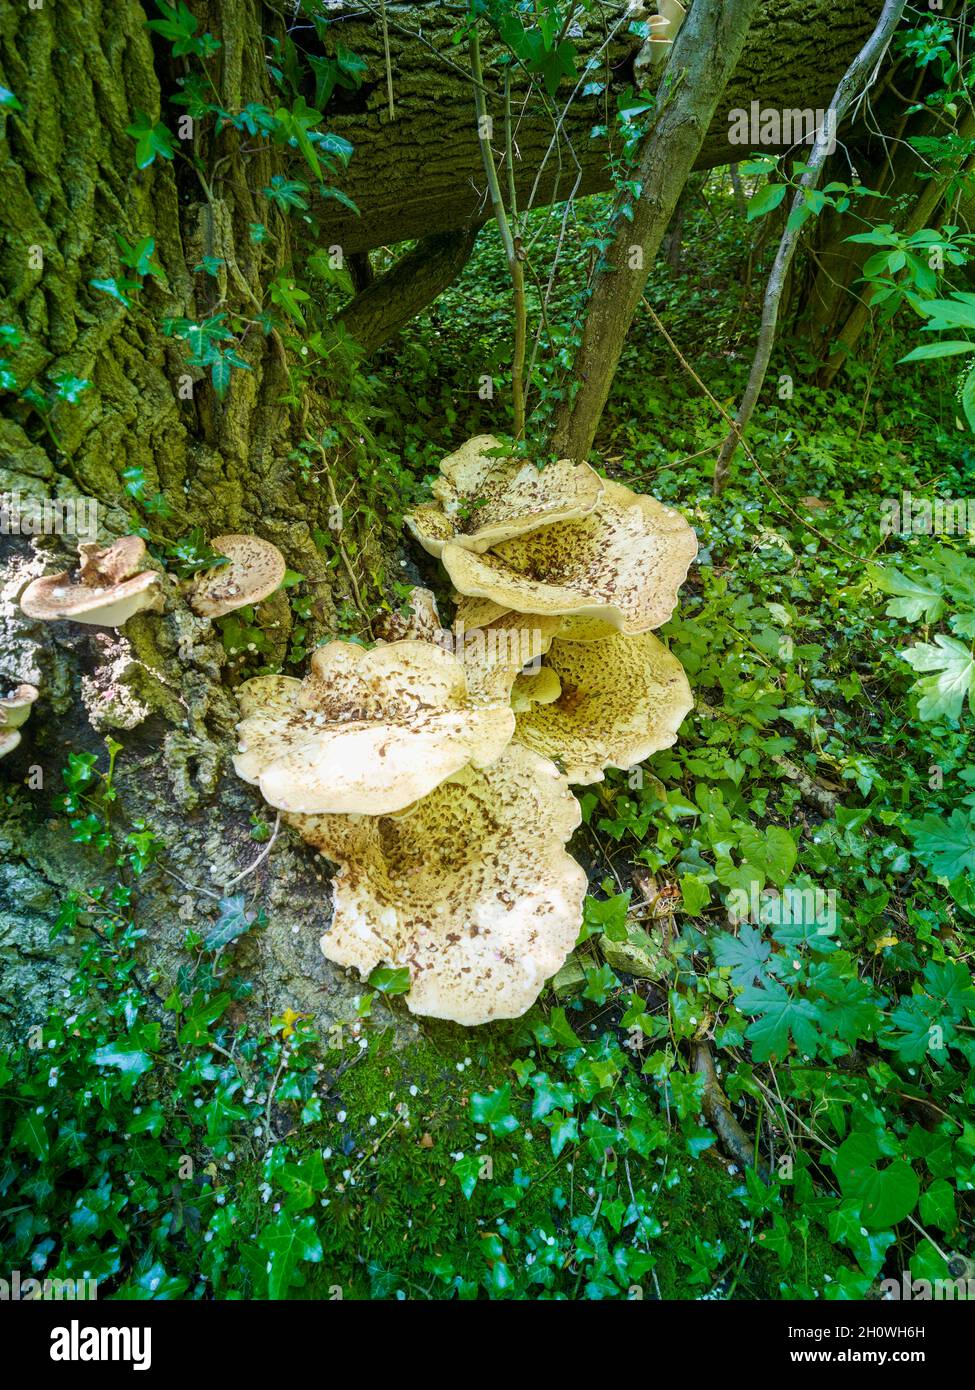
x: 864, y: 66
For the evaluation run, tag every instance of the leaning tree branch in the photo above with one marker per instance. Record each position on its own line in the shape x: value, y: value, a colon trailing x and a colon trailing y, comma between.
x: 386, y: 305
x: 864, y: 66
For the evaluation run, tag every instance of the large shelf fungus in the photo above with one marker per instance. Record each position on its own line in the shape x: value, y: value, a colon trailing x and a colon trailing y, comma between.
x: 481, y: 499
x: 366, y: 732
x: 622, y: 564
x: 109, y: 588
x: 619, y: 700
x: 470, y: 888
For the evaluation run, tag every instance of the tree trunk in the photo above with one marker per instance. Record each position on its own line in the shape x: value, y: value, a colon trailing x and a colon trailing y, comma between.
x: 704, y: 55
x: 419, y: 170
x: 82, y: 70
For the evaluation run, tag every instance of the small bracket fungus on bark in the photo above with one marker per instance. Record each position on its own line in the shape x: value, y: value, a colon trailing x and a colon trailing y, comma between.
x: 471, y: 888
x: 620, y: 700
x: 14, y: 711
x: 255, y: 570
x: 622, y: 564
x: 110, y: 587
x: 16, y: 707
x: 366, y: 732
x: 481, y: 500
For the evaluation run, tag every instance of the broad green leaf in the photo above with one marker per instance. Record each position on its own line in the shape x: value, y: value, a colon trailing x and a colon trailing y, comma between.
x: 944, y: 693
x: 886, y: 1195
x: 946, y: 847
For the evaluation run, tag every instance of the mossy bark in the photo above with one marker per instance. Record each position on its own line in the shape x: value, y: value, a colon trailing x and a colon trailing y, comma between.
x: 82, y: 70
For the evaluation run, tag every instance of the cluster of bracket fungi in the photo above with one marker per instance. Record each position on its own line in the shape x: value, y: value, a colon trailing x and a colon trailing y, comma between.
x: 434, y: 768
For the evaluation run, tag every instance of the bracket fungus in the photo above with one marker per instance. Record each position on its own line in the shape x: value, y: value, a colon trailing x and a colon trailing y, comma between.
x: 109, y: 589
x: 14, y: 711
x: 480, y: 499
x: 255, y: 570
x: 471, y: 888
x: 622, y: 564
x: 366, y: 732
x: 619, y: 700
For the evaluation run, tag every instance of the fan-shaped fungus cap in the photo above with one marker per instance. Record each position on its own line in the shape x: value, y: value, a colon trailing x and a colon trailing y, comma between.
x: 621, y: 699
x: 109, y: 589
x: 471, y: 889
x: 15, y: 707
x: 481, y: 500
x: 256, y: 569
x: 366, y: 732
x: 539, y: 687
x: 623, y: 564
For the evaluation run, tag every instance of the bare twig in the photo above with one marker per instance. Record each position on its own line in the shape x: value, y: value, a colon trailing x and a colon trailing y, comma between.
x: 862, y: 68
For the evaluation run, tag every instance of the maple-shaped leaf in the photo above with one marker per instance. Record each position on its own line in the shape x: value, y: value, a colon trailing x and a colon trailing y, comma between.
x: 946, y: 847
x: 943, y: 693
x: 911, y: 598
x: 745, y: 953
x: 779, y: 1015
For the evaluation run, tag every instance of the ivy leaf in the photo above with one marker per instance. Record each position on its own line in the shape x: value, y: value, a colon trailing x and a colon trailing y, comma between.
x: 388, y: 979
x: 943, y: 694
x: 946, y: 847
x: 286, y: 1243
x: 745, y: 953
x: 494, y: 1110
x: 467, y: 1170
x: 150, y: 140
x: 234, y: 920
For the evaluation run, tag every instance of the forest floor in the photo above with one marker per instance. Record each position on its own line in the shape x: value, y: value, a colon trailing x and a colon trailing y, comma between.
x: 570, y: 1154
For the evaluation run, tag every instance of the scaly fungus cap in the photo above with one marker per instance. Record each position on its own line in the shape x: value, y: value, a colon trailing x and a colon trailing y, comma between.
x: 480, y: 500
x: 109, y: 588
x: 470, y: 889
x: 622, y: 564
x: 256, y: 569
x: 620, y: 700
x: 366, y: 732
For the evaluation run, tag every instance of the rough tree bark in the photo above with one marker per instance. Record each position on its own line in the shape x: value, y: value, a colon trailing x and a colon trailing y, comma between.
x: 81, y: 69
x: 420, y: 171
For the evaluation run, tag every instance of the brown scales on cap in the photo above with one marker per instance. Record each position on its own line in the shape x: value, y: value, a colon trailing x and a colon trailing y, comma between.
x: 622, y: 564
x: 480, y: 500
x: 255, y: 570
x: 471, y: 888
